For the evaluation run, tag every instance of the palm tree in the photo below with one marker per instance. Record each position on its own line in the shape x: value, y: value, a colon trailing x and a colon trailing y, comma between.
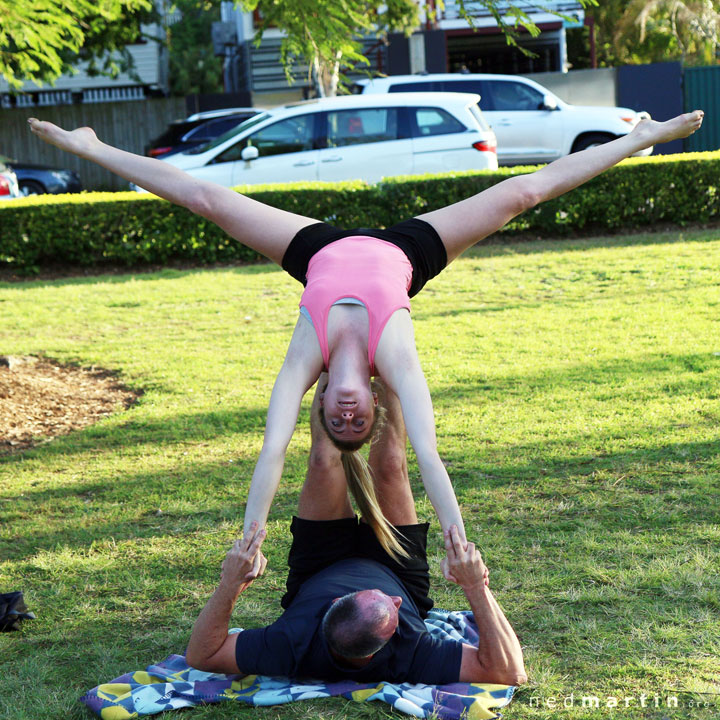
x: 691, y: 26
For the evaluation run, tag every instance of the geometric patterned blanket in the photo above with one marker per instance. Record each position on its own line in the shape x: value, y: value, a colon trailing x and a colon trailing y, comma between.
x: 173, y: 684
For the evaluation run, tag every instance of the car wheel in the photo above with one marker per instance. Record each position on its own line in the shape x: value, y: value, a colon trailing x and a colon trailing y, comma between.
x: 591, y: 140
x: 30, y: 187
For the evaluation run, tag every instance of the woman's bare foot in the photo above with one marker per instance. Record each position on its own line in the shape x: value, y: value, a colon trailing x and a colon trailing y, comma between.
x: 80, y: 141
x: 654, y: 133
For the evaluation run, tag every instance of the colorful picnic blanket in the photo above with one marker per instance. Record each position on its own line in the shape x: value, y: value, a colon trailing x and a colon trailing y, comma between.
x: 172, y: 684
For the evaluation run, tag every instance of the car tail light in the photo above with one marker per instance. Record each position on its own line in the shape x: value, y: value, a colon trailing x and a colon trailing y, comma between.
x: 486, y: 145
x: 4, y: 186
x: 154, y: 152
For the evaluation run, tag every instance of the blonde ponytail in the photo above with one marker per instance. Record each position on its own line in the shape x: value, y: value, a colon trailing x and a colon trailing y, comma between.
x: 362, y: 486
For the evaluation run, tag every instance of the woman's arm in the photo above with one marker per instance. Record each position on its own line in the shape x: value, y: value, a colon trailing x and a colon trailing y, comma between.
x: 302, y: 367
x: 397, y: 360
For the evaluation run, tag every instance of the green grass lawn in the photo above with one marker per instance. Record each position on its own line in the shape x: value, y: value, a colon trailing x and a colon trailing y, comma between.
x: 577, y: 394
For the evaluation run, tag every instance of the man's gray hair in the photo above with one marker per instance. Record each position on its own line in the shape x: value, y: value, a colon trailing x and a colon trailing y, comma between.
x: 350, y: 631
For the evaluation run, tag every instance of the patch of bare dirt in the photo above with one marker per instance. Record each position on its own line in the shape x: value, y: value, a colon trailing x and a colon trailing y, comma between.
x: 41, y: 399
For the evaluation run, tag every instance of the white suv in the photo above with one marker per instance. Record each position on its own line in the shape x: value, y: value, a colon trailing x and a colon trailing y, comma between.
x: 349, y: 138
x: 532, y: 125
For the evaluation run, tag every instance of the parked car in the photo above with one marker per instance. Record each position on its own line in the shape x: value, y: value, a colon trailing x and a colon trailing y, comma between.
x: 40, y: 179
x: 347, y: 138
x: 197, y: 129
x: 532, y: 124
x: 8, y: 182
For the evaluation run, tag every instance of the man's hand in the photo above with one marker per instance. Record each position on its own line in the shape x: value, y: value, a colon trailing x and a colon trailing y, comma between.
x: 244, y: 562
x: 210, y: 647
x: 463, y: 564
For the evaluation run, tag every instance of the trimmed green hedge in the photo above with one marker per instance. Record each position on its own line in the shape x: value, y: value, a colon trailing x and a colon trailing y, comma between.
x: 93, y: 229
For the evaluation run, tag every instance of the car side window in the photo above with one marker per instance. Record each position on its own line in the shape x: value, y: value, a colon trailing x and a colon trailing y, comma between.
x: 213, y: 128
x: 286, y: 136
x: 353, y: 127
x: 434, y: 121
x: 424, y: 86
x: 468, y: 86
x: 508, y: 95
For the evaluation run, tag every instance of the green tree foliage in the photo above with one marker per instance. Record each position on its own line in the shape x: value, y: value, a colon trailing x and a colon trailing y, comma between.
x: 644, y: 31
x: 41, y: 39
x: 324, y: 33
x: 194, y: 68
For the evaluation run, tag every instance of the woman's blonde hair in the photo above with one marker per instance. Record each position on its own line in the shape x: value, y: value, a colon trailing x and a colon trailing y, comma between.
x: 362, y: 486
x: 361, y: 483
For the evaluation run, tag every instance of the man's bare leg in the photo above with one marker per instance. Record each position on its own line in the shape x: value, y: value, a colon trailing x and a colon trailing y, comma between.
x: 388, y: 462
x: 324, y: 496
x: 261, y: 227
x: 463, y: 224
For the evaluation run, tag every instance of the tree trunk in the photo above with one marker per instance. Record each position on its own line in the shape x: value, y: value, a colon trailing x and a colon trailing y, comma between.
x: 326, y: 75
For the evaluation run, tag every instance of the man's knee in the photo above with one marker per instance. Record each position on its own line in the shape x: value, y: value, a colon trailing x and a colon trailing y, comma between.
x: 390, y: 467
x: 324, y: 461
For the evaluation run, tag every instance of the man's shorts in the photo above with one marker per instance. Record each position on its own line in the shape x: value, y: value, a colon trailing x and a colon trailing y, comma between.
x: 417, y: 239
x: 319, y: 543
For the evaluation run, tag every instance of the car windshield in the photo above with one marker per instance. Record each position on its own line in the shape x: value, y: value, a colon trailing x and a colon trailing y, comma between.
x: 229, y: 134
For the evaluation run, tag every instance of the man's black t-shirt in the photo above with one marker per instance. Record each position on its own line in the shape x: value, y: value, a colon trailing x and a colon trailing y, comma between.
x: 294, y: 646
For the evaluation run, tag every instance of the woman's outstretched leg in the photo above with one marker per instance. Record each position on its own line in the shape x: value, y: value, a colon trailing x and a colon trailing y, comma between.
x: 261, y: 227
x: 463, y: 224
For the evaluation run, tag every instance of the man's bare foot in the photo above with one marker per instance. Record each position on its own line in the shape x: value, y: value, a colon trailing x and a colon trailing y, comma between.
x: 80, y: 141
x: 654, y: 133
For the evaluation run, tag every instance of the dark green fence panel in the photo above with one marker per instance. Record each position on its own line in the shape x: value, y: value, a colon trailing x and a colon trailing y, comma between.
x: 702, y: 90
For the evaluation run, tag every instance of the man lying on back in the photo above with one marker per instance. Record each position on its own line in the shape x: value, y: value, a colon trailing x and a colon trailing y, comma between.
x: 350, y: 610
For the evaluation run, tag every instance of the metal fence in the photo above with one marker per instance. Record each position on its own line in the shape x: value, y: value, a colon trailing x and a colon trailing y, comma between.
x: 127, y: 125
x: 702, y: 90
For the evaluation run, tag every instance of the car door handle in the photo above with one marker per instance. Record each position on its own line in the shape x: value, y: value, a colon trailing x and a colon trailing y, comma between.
x: 303, y: 163
x: 504, y: 122
x: 334, y: 158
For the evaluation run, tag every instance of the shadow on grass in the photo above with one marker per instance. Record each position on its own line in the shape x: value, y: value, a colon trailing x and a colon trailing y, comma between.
x: 123, y: 275
x: 543, y: 465
x: 118, y: 510
x: 218, y: 497
x: 138, y: 432
x: 500, y: 243
x: 612, y: 374
x: 530, y: 301
x: 549, y: 468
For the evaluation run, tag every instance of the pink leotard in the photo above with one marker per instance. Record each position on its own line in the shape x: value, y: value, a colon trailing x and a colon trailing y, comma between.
x: 375, y: 272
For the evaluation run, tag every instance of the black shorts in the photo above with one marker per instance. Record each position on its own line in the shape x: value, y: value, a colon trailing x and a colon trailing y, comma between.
x: 319, y: 543
x: 416, y: 238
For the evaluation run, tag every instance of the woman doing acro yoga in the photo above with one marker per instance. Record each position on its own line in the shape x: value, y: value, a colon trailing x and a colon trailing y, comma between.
x: 380, y: 270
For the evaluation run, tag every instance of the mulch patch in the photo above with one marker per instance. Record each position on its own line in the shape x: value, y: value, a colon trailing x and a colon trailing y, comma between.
x: 41, y: 399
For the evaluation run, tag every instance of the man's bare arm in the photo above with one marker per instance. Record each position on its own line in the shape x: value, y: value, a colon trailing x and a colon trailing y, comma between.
x: 210, y: 647
x: 498, y: 657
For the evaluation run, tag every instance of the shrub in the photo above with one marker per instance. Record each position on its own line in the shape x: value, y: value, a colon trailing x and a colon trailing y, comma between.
x: 93, y: 229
